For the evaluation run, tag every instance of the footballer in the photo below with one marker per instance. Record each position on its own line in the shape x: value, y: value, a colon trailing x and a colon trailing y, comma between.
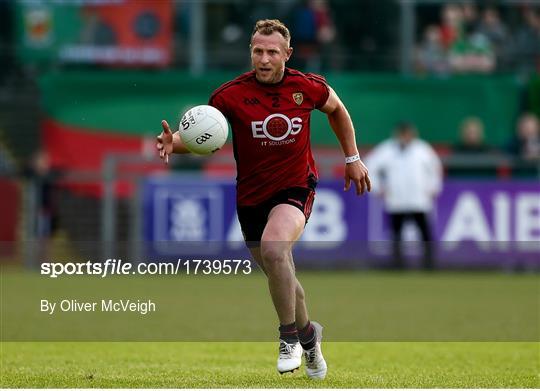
x: 269, y: 111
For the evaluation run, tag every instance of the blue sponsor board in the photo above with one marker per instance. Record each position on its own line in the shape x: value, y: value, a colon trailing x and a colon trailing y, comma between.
x: 186, y: 216
x: 186, y: 213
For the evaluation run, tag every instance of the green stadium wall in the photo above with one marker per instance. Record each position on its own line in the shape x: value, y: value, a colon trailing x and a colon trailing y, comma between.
x: 134, y: 102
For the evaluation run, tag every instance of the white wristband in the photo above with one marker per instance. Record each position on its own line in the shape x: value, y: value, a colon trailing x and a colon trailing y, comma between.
x: 351, y: 159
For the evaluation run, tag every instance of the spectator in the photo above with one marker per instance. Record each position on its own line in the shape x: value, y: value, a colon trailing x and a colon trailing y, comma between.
x: 527, y: 42
x: 495, y: 31
x: 452, y: 24
x: 326, y: 32
x: 304, y: 31
x: 471, y: 156
x: 526, y: 144
x: 470, y: 16
x: 44, y: 179
x: 44, y: 190
x: 431, y: 56
x: 7, y: 166
x: 314, y: 31
x: 472, y: 137
x: 406, y: 173
x: 472, y: 52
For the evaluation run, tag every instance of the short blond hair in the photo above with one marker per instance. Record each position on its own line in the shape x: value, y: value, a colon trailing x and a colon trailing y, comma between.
x: 472, y: 121
x: 269, y: 26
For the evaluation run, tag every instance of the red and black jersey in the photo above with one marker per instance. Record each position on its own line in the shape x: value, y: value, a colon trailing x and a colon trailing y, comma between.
x: 271, y: 131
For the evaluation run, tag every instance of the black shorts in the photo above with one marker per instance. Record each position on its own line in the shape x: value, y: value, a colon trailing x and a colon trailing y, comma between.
x: 253, y: 219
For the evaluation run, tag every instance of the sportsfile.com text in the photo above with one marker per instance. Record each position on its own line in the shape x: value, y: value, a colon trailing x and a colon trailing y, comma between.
x: 112, y: 267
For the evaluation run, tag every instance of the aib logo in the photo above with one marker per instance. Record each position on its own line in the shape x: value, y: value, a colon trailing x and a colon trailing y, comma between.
x: 203, y: 138
x: 276, y: 127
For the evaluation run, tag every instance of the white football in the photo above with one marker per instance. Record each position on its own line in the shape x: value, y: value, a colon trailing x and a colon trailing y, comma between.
x: 203, y: 129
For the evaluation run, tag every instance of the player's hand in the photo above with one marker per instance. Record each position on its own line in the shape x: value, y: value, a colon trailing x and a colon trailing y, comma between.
x: 357, y: 172
x: 165, y: 142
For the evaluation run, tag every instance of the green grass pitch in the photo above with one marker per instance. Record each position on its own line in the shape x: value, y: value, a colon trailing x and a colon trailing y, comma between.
x: 353, y: 306
x: 252, y: 365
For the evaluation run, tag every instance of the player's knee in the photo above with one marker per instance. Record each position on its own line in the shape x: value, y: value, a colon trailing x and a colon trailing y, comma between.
x: 274, y: 253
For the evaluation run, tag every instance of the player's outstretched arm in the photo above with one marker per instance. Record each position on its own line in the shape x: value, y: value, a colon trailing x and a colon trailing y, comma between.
x: 169, y: 142
x: 341, y: 123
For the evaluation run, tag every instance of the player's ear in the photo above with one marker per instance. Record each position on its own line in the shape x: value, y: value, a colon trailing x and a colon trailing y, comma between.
x: 289, y: 53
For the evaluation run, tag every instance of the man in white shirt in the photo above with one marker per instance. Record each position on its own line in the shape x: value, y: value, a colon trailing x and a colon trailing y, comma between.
x: 407, y: 174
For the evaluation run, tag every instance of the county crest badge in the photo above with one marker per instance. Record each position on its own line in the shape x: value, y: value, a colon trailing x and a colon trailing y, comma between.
x: 298, y: 98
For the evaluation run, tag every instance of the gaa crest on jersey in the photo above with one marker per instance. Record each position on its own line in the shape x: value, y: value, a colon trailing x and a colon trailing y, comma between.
x: 298, y: 98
